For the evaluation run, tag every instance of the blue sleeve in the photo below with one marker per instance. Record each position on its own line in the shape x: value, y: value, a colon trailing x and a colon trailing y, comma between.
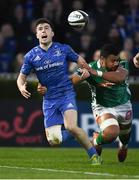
x: 71, y: 54
x: 26, y: 67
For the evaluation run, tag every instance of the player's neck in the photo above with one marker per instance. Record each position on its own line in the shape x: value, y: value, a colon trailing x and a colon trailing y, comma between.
x: 46, y: 46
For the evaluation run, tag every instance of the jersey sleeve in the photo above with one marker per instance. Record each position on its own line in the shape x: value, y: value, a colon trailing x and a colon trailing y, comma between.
x: 124, y: 64
x: 71, y: 54
x: 26, y: 67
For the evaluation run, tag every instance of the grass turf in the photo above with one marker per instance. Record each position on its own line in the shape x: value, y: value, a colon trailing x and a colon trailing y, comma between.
x: 65, y: 163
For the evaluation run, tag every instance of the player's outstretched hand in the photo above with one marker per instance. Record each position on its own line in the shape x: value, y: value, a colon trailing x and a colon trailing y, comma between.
x: 24, y: 91
x: 41, y: 89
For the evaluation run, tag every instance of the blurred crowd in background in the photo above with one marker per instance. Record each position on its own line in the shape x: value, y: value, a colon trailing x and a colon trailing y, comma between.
x: 114, y: 21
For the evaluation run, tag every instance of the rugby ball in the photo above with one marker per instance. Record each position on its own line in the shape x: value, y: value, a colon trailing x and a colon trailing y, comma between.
x: 78, y: 19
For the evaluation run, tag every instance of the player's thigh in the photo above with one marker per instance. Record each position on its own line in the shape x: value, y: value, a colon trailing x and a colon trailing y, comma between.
x: 106, y: 119
x: 124, y: 114
x: 69, y: 111
x: 52, y: 115
x: 70, y: 118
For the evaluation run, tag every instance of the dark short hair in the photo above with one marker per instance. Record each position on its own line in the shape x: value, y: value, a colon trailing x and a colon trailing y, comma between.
x: 109, y: 49
x: 42, y: 21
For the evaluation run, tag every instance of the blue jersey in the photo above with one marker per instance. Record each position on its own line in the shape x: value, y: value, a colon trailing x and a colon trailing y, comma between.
x: 51, y: 68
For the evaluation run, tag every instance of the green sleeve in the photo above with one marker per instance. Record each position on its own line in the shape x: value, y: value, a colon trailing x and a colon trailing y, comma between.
x: 124, y: 64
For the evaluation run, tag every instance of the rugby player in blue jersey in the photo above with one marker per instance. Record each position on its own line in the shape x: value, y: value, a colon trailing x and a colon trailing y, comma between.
x: 49, y: 60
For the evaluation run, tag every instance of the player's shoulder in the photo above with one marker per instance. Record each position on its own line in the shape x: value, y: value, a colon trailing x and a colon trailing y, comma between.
x: 61, y: 45
x: 124, y: 63
x: 32, y: 53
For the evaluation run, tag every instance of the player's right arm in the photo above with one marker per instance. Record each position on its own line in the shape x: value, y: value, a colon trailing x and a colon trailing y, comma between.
x: 22, y: 85
x: 116, y: 76
x: 136, y: 60
x: 22, y: 78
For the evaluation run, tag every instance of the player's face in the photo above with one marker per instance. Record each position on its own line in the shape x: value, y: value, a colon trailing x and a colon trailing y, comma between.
x: 112, y: 62
x: 44, y: 33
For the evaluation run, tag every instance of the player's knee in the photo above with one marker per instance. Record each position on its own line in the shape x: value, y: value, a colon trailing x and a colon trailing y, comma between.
x: 71, y: 128
x: 54, y: 135
x: 111, y: 133
x: 110, y: 129
x: 54, y: 142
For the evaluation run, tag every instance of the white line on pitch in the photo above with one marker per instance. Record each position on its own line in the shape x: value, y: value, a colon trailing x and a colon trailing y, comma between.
x: 68, y: 171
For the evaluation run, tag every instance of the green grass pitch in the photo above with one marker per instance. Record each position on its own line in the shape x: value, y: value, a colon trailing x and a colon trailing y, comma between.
x: 65, y: 163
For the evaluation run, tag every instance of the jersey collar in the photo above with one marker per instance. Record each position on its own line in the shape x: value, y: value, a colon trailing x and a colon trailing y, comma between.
x: 98, y: 64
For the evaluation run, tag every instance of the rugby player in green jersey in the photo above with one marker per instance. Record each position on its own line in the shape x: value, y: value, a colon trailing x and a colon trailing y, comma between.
x: 111, y: 104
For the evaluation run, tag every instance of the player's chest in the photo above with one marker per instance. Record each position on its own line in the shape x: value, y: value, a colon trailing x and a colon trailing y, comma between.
x: 51, y: 60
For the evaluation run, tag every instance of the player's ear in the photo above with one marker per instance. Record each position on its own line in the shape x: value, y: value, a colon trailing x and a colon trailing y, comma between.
x: 53, y: 33
x: 37, y: 35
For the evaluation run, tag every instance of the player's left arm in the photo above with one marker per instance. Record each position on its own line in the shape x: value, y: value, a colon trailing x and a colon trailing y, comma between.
x: 116, y: 76
x: 83, y: 64
x: 79, y: 76
x: 41, y: 89
x: 74, y: 57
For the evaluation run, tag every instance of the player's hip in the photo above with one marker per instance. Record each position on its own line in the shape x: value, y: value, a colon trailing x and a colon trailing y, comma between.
x: 121, y: 112
x: 54, y: 110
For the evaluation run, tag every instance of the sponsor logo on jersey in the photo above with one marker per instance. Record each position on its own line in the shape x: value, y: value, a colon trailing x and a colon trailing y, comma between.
x: 47, y: 66
x: 57, y: 53
x: 47, y: 62
x: 37, y: 58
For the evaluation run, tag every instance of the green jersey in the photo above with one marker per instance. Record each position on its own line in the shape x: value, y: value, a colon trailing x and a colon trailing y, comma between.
x: 106, y: 93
